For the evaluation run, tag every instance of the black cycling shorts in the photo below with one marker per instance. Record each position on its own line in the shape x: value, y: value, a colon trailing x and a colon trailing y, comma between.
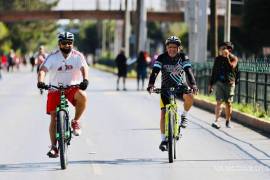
x: 164, y: 97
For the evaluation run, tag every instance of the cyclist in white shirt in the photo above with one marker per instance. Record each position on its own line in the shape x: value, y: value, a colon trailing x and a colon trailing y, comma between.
x: 68, y: 67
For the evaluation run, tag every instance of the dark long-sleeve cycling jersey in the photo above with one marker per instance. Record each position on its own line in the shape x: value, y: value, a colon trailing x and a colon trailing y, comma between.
x: 172, y: 70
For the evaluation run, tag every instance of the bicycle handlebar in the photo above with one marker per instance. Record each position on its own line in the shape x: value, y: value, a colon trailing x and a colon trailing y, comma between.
x: 171, y: 89
x: 160, y: 90
x: 48, y: 87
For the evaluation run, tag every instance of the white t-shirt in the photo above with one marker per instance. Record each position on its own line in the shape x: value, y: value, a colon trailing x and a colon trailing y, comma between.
x: 66, y: 71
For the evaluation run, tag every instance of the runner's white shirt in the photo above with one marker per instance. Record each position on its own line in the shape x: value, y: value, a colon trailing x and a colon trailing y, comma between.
x: 66, y: 71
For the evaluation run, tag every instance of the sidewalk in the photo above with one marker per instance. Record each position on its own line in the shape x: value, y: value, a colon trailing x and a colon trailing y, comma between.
x: 242, y: 118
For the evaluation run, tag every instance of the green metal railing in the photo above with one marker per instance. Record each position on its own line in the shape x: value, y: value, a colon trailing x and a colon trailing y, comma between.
x: 253, y: 87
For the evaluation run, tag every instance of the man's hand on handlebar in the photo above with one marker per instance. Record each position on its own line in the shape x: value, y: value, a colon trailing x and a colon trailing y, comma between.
x: 195, y: 89
x: 150, y: 88
x: 84, y: 84
x: 42, y: 85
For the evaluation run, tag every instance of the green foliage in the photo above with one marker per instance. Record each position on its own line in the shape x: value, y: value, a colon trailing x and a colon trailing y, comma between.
x: 106, y: 61
x: 256, y: 24
x: 178, y: 29
x: 154, y: 31
x: 88, y: 37
x: 26, y: 36
x: 245, y: 108
x: 27, y: 4
x: 4, y: 33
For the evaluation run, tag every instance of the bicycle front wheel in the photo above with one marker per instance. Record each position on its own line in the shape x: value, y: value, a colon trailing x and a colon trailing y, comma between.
x: 61, y: 129
x: 170, y: 136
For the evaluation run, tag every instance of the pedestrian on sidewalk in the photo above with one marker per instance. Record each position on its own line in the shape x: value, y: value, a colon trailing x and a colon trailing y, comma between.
x: 121, y: 63
x: 224, y: 77
x: 141, y: 69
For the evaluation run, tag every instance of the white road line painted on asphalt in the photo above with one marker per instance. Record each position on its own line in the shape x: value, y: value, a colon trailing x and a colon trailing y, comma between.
x: 96, y: 168
x: 111, y: 93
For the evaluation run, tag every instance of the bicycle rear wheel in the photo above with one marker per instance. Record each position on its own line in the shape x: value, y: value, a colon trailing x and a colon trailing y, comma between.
x: 170, y: 137
x: 176, y: 133
x: 61, y: 129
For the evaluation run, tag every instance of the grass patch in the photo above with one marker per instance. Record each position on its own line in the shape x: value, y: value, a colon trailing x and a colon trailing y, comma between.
x: 249, y: 109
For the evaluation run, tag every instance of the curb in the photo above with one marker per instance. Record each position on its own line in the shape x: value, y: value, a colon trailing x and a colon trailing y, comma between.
x: 237, y: 116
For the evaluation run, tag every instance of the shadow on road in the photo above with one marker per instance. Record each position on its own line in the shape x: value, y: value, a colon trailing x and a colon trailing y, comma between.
x: 146, y: 129
x: 114, y: 91
x: 127, y: 161
x: 238, y: 140
x: 29, y: 167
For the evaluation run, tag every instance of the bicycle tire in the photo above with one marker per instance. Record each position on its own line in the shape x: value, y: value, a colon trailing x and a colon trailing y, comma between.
x: 61, y: 128
x: 174, y: 148
x: 176, y: 134
x: 170, y: 136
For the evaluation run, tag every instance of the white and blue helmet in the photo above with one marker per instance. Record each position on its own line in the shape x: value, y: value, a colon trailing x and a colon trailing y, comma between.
x: 65, y: 36
x: 173, y: 40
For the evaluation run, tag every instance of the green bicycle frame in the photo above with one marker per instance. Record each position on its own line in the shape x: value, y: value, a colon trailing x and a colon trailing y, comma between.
x: 63, y: 106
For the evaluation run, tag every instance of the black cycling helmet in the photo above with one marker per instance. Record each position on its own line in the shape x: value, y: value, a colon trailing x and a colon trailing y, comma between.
x: 228, y: 45
x: 173, y: 40
x: 65, y: 36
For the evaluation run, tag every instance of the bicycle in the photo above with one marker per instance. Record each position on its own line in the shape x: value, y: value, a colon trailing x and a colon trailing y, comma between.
x: 172, y: 128
x: 63, y: 125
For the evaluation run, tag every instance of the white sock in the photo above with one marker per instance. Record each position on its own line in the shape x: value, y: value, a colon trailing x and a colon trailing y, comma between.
x: 185, y: 113
x: 163, y: 138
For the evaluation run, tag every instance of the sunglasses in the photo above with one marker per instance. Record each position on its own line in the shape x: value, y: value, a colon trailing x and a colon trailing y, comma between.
x: 66, y: 43
x: 228, y: 48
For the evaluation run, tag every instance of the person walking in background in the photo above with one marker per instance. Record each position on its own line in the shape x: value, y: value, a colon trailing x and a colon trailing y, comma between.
x: 11, y: 60
x: 32, y: 62
x: 41, y: 56
x: 121, y: 63
x: 141, y: 70
x: 4, y: 61
x: 224, y: 77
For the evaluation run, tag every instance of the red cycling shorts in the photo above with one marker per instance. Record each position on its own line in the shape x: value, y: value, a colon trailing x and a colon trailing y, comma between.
x: 53, y: 98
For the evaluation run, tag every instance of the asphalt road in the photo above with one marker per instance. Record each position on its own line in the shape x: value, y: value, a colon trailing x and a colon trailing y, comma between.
x: 120, y: 138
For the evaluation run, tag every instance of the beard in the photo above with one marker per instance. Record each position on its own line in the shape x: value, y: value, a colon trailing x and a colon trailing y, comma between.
x: 66, y: 51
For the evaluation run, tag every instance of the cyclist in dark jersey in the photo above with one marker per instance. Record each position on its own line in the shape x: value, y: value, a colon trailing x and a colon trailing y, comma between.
x: 172, y: 64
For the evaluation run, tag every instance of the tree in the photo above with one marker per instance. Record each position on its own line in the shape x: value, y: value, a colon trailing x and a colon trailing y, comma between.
x: 4, y: 42
x: 88, y: 38
x: 28, y: 35
x: 256, y: 25
x: 155, y: 34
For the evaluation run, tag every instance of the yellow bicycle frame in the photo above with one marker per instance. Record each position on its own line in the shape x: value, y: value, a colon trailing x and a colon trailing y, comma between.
x: 172, y: 107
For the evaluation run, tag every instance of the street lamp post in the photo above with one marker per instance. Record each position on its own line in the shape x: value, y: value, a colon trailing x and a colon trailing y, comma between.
x: 227, y: 20
x: 141, y: 26
x: 126, y: 29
